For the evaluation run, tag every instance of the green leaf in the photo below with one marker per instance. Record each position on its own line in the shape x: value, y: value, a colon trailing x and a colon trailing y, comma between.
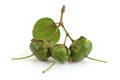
x: 46, y: 29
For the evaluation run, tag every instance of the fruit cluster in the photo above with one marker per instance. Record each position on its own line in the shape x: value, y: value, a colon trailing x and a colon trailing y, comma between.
x: 46, y: 34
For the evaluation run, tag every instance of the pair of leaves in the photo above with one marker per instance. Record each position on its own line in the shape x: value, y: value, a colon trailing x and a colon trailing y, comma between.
x: 46, y: 29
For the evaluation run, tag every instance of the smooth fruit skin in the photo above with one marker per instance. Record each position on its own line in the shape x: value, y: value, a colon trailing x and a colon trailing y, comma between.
x: 40, y: 50
x: 60, y: 53
x: 80, y: 48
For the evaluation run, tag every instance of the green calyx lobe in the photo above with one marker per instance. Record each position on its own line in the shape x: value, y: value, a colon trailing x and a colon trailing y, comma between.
x: 60, y: 53
x: 80, y: 48
x: 40, y: 49
x: 46, y: 29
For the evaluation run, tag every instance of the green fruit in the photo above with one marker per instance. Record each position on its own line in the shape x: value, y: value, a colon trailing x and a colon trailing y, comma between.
x: 60, y: 53
x: 40, y: 49
x: 80, y: 48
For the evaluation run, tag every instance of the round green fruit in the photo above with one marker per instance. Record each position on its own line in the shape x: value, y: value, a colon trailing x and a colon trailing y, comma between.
x: 80, y: 48
x: 40, y: 49
x: 60, y: 53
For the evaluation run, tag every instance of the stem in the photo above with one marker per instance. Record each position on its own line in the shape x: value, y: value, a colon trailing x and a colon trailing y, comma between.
x: 23, y: 57
x: 50, y: 66
x: 61, y: 22
x: 67, y: 33
x: 96, y: 59
x: 62, y: 11
x: 65, y: 39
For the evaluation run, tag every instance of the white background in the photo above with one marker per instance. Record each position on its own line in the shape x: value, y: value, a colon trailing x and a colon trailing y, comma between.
x: 98, y: 20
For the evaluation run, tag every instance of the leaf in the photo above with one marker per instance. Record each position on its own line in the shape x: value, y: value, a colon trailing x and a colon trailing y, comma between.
x: 46, y: 29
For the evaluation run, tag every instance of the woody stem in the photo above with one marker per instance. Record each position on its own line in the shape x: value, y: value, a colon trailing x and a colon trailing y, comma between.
x: 61, y: 23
